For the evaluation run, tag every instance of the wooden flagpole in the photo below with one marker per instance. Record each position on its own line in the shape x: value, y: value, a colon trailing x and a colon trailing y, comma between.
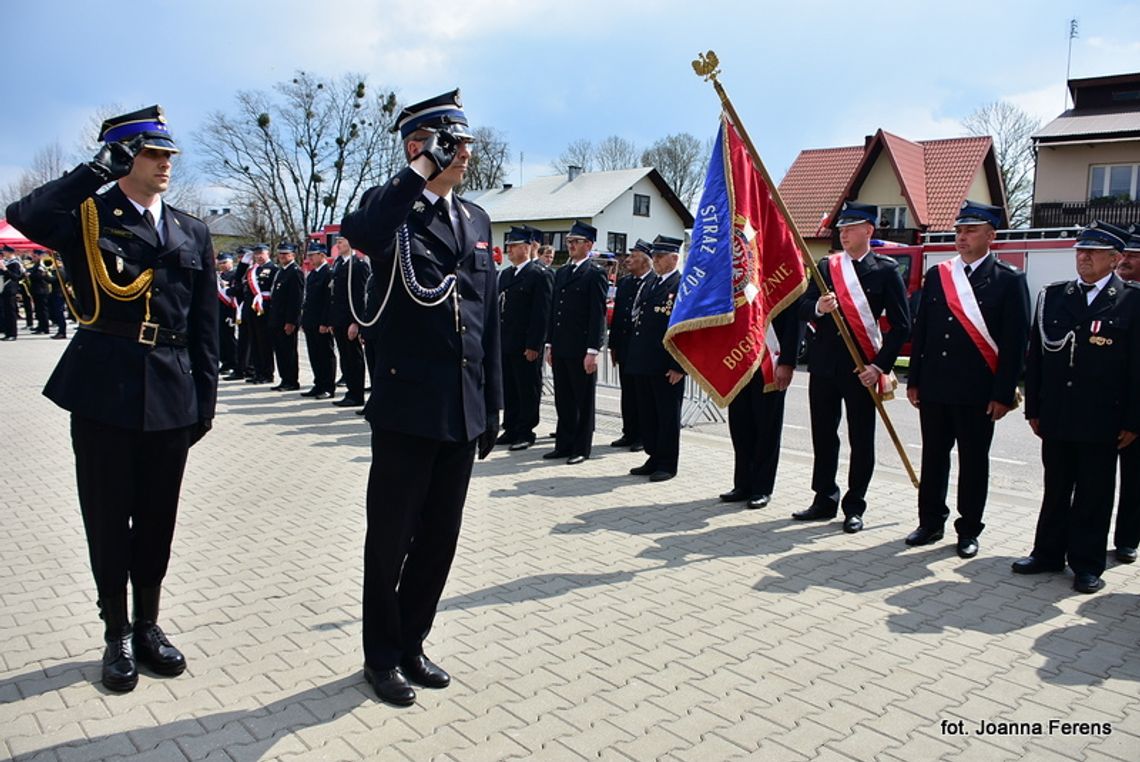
x: 707, y: 66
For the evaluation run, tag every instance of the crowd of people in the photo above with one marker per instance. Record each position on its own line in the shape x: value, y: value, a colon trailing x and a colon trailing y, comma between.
x: 31, y: 285
x: 412, y: 298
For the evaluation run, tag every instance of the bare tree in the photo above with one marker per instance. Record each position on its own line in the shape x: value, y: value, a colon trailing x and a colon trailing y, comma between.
x: 615, y: 152
x: 302, y: 155
x: 580, y: 153
x: 1011, y: 129
x: 48, y: 163
x: 488, y: 165
x: 682, y: 160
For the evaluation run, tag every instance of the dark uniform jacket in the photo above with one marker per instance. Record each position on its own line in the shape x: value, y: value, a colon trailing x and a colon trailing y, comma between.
x: 646, y: 354
x: 524, y: 304
x: 339, y: 314
x: 1097, y: 394
x: 437, y: 373
x: 578, y: 310
x: 264, y: 276
x: 230, y: 287
x: 39, y: 279
x: 288, y: 292
x: 885, y: 291
x: 622, y: 324
x: 117, y: 380
x: 945, y: 364
x: 315, y: 308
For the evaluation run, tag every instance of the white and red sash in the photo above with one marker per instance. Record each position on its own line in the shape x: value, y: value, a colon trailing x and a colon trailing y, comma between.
x: 962, y: 302
x: 223, y: 297
x: 770, y: 359
x: 259, y: 296
x: 857, y: 312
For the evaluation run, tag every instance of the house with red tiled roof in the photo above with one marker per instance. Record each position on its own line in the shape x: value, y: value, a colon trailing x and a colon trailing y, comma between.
x: 919, y: 186
x: 1088, y: 158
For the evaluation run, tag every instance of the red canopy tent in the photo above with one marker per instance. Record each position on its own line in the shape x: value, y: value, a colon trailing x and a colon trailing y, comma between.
x: 9, y: 236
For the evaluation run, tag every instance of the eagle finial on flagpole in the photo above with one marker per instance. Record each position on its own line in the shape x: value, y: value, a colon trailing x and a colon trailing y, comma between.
x: 707, y: 66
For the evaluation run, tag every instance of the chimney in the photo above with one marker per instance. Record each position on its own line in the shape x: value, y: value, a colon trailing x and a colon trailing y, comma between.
x: 507, y: 186
x: 573, y: 171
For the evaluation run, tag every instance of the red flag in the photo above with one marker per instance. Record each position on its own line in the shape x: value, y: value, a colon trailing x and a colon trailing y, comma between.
x: 743, y: 268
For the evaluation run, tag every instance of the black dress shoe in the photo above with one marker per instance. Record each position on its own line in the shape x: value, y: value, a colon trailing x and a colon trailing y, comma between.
x: 523, y: 445
x: 759, y: 501
x: 361, y: 411
x: 120, y: 674
x: 555, y: 455
x: 574, y: 460
x: 323, y: 396
x: 734, y: 495
x: 924, y: 536
x: 852, y: 524
x: 287, y: 387
x: 1126, y: 555
x: 967, y: 547
x: 422, y: 671
x: 622, y: 441
x: 1031, y: 565
x: 645, y: 469
x: 636, y: 447
x: 348, y: 402
x: 234, y: 377
x: 661, y: 476
x: 1087, y: 583
x: 504, y: 439
x: 153, y: 650
x: 390, y: 685
x: 311, y: 393
x: 278, y: 388
x: 814, y: 513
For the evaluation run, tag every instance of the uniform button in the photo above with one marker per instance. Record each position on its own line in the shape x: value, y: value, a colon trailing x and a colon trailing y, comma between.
x: 463, y: 329
x: 950, y: 319
x: 946, y: 336
x: 392, y: 371
x: 463, y: 363
x: 1068, y: 383
x: 943, y: 354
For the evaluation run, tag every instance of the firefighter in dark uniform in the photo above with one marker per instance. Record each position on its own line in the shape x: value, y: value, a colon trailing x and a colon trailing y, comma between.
x: 139, y: 377
x: 626, y: 292
x: 227, y: 314
x: 657, y: 375
x: 39, y: 286
x: 577, y: 330
x: 239, y: 292
x: 342, y: 323
x: 259, y: 288
x: 436, y: 391
x: 57, y: 304
x: 314, y: 316
x: 524, y: 312
x: 967, y: 354
x: 1127, y: 534
x: 1082, y: 397
x: 285, y: 315
x: 833, y: 383
x: 756, y: 418
x: 10, y: 294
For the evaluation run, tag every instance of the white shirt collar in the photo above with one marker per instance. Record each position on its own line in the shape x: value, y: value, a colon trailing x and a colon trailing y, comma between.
x: 156, y: 210
x: 518, y: 268
x: 976, y: 263
x: 857, y: 259
x: 1097, y: 287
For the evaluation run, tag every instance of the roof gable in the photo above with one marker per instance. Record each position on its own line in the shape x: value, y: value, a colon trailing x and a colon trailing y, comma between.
x: 816, y: 178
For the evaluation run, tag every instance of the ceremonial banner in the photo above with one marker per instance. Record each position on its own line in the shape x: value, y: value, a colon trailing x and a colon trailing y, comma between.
x: 742, y: 269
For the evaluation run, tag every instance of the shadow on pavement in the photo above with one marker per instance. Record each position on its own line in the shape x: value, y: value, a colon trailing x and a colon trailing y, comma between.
x: 264, y: 726
x: 535, y: 588
x: 1090, y: 653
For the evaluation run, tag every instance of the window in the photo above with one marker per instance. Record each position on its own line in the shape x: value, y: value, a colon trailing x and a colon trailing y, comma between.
x: 640, y: 205
x: 1113, y: 182
x: 615, y: 242
x: 892, y: 217
x: 557, y: 240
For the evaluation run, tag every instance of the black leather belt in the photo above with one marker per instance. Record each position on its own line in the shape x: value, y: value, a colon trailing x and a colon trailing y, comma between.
x: 149, y: 334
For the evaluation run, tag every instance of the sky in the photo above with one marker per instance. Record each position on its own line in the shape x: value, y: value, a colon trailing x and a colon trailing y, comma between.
x: 802, y: 74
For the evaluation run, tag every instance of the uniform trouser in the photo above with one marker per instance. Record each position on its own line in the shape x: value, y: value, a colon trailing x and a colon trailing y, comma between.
x: 659, y: 416
x: 261, y: 347
x: 630, y: 420
x: 11, y: 315
x: 351, y: 363
x: 972, y: 429
x: 522, y: 395
x: 29, y: 310
x: 416, y: 491
x: 322, y: 359
x: 1127, y: 533
x: 574, y: 396
x: 285, y: 353
x: 227, y: 344
x: 128, y: 484
x: 755, y: 423
x: 40, y: 305
x: 826, y: 394
x: 58, y: 313
x: 1076, y: 508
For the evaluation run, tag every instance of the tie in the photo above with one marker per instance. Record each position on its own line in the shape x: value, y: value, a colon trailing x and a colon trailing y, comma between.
x: 456, y: 227
x: 1086, y: 289
x: 969, y: 269
x: 148, y: 219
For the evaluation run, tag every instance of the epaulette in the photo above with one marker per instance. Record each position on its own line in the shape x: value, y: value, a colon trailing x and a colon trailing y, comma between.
x: 471, y: 203
x: 1130, y: 283
x: 173, y: 208
x: 1057, y: 283
x: 1006, y: 265
x: 886, y: 258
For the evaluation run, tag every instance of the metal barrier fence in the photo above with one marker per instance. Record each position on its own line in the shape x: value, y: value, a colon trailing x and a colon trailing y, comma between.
x: 696, y: 406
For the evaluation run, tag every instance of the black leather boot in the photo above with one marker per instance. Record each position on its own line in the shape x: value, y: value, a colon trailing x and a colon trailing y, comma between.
x: 120, y: 674
x: 152, y: 649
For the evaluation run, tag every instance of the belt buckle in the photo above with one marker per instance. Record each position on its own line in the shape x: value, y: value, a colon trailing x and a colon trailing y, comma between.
x: 148, y: 333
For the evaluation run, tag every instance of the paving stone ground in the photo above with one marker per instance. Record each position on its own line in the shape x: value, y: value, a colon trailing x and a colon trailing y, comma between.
x: 589, y: 614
